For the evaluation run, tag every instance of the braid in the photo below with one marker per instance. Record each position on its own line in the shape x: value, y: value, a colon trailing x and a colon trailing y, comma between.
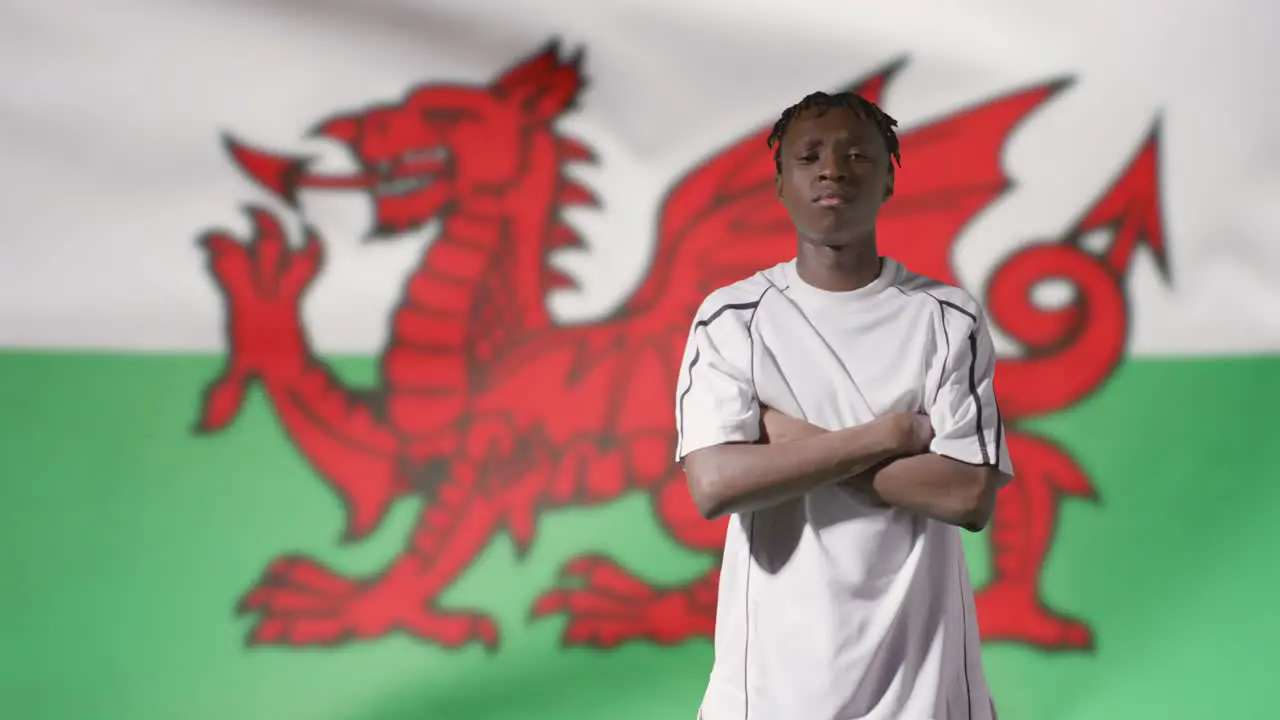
x: 847, y: 100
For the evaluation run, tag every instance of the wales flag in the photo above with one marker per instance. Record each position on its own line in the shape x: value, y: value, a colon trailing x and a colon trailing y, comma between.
x: 338, y: 342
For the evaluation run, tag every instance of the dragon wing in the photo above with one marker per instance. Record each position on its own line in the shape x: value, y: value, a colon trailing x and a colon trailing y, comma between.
x: 723, y: 222
x: 960, y: 158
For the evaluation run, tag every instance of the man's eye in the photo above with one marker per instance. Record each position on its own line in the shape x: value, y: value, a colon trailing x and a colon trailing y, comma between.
x: 807, y: 158
x: 860, y: 157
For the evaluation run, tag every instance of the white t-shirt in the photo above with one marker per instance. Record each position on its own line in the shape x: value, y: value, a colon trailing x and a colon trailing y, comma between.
x: 831, y: 608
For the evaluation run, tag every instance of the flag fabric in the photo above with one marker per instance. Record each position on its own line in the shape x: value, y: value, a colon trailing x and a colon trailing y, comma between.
x: 338, y: 342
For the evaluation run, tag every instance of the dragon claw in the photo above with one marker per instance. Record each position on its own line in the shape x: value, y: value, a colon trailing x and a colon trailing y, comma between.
x: 608, y: 606
x: 261, y: 280
x: 300, y: 602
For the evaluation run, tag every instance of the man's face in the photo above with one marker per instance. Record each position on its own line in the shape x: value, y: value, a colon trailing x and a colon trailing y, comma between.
x: 835, y: 174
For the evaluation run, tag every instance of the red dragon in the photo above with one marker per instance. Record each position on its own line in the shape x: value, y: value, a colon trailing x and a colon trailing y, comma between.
x: 496, y: 413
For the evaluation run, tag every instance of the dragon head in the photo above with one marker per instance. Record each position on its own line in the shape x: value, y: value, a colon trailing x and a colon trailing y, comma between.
x: 441, y: 148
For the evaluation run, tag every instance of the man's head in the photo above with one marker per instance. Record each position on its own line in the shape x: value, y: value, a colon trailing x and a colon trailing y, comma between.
x: 834, y: 156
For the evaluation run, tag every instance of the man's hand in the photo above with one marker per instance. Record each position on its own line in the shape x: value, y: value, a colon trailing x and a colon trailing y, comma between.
x: 918, y: 433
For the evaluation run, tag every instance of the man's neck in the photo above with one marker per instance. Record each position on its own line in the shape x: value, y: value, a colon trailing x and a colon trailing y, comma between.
x: 838, y: 269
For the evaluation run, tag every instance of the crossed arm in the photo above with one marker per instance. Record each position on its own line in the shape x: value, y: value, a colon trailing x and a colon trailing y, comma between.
x: 886, y: 458
x: 739, y: 456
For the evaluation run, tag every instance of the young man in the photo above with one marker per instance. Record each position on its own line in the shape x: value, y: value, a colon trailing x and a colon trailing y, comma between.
x: 841, y: 409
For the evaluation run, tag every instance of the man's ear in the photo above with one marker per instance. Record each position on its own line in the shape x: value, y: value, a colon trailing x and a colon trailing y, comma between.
x: 888, y: 183
x: 777, y: 184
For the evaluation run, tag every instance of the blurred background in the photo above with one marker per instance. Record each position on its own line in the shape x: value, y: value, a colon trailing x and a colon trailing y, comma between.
x: 237, y: 484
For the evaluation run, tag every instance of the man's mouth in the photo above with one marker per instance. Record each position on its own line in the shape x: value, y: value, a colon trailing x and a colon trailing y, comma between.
x: 833, y: 199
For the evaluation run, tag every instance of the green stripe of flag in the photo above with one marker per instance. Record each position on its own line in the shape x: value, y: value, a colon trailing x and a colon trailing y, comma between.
x: 128, y: 542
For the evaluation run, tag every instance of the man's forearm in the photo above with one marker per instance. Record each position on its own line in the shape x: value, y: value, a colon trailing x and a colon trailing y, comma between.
x: 738, y: 478
x: 936, y: 486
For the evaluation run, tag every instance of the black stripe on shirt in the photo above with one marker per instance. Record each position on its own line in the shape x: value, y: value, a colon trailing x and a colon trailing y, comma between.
x: 697, y: 354
x: 999, y: 434
x: 973, y: 378
x: 977, y: 398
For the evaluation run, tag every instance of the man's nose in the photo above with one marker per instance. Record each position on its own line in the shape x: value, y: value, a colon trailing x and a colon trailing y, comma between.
x: 832, y: 171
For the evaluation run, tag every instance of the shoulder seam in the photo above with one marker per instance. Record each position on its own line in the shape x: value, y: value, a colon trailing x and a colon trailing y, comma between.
x: 940, y: 301
x: 737, y: 293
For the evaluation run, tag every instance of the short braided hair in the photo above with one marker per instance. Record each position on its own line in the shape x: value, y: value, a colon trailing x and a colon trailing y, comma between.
x: 823, y: 102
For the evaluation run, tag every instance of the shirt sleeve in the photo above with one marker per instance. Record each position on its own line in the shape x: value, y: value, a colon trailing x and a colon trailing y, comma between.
x: 715, y: 396
x: 965, y: 415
